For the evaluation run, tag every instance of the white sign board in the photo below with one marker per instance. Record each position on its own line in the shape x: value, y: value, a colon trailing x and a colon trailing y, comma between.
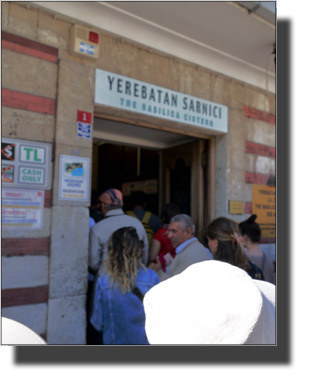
x: 22, y: 209
x: 133, y: 95
x: 25, y: 164
x: 74, y: 178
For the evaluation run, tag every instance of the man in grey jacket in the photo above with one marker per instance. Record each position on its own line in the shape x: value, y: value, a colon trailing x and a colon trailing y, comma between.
x: 188, y: 249
x: 111, y: 203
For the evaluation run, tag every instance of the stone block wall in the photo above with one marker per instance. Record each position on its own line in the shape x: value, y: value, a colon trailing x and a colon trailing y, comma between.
x: 29, y: 74
x: 44, y: 272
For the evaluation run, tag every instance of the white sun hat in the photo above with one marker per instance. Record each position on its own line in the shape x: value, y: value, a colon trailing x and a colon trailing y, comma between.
x: 211, y: 302
x: 15, y: 333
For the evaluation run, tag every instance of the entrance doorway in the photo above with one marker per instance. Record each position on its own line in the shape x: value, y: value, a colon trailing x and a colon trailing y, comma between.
x: 168, y: 167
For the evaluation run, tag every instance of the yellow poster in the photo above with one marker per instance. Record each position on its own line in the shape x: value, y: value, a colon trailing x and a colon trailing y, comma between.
x: 236, y: 207
x: 264, y: 206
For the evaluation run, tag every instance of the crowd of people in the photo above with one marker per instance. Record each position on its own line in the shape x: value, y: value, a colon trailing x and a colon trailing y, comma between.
x: 151, y: 281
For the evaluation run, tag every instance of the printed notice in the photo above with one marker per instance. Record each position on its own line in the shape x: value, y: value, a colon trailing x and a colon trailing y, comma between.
x: 236, y: 207
x: 148, y: 186
x: 22, y: 209
x: 264, y: 206
x: 73, y: 178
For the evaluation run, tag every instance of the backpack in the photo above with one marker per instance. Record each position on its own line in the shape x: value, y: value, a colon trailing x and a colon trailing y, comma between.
x: 255, y: 272
x: 144, y: 221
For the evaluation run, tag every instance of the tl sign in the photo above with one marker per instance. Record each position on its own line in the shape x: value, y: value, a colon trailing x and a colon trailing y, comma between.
x: 32, y: 154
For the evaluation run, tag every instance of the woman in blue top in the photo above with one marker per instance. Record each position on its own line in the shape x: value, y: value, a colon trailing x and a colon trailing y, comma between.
x: 118, y: 312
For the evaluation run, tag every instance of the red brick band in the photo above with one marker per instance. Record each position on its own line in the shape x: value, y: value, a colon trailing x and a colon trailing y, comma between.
x: 27, y: 101
x: 28, y: 51
x: 257, y: 114
x: 25, y: 246
x: 256, y: 178
x: 48, y: 199
x: 262, y: 150
x: 24, y: 296
x: 248, y: 207
x: 5, y: 36
x: 268, y: 240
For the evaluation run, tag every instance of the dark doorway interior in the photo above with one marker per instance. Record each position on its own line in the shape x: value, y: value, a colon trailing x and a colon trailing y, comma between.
x: 180, y: 186
x: 118, y: 164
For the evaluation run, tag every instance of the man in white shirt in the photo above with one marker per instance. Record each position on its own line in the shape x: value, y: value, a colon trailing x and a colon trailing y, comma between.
x: 188, y: 249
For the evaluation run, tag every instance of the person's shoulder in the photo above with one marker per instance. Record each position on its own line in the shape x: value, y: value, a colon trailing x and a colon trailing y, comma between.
x: 267, y: 255
x: 103, y: 281
x: 133, y: 220
x: 255, y: 258
x: 156, y: 221
x: 127, y: 220
x: 100, y: 225
x: 148, y: 273
x: 160, y: 232
x: 154, y: 216
x: 198, y: 247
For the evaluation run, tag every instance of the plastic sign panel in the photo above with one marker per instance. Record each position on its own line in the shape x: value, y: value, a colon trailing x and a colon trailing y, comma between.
x: 22, y: 209
x: 84, y: 120
x: 143, y: 98
x: 236, y: 207
x: 74, y: 178
x: 25, y: 164
x: 264, y: 206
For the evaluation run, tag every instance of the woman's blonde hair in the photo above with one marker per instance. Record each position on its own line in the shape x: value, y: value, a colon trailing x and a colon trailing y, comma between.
x: 123, y: 259
x: 229, y: 249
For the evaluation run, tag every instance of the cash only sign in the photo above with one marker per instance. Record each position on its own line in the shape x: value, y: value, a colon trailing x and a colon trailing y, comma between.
x: 25, y: 174
x: 129, y: 94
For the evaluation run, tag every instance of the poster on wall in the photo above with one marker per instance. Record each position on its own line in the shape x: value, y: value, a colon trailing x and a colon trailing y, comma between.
x: 264, y: 206
x: 74, y: 178
x: 22, y: 209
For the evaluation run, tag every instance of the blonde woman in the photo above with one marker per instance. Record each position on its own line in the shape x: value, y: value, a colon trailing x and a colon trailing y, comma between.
x: 118, y: 310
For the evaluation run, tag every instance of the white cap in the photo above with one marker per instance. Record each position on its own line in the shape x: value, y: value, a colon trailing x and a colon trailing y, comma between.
x: 211, y: 302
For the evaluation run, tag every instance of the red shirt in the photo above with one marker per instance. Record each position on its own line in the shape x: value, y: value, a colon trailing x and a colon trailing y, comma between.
x: 166, y: 246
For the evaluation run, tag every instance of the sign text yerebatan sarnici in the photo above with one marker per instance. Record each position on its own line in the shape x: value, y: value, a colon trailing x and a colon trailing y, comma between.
x: 133, y: 95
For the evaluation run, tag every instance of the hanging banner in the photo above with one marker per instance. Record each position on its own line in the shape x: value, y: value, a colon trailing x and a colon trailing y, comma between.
x: 74, y: 178
x: 22, y: 209
x: 264, y: 206
x: 129, y: 94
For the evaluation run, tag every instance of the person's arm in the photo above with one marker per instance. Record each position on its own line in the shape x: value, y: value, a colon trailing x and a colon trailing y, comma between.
x: 95, y: 251
x: 146, y: 247
x: 157, y: 267
x: 97, y: 313
x: 154, y: 250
